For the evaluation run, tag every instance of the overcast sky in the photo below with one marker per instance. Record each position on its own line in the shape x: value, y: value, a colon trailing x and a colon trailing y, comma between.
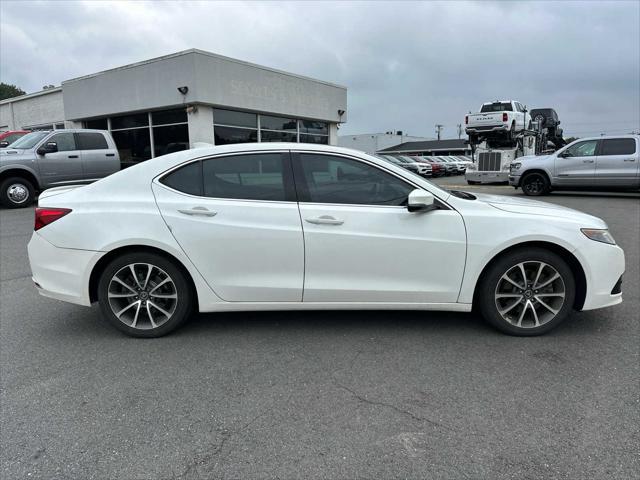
x: 407, y: 66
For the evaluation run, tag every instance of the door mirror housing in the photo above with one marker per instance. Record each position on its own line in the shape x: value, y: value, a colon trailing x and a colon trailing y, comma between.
x: 49, y: 147
x: 564, y: 154
x: 4, y: 143
x: 421, y: 201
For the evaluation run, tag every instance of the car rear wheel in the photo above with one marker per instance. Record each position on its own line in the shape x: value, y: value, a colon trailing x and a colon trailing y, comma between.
x: 16, y: 192
x: 527, y: 292
x: 144, y: 295
x: 535, y: 184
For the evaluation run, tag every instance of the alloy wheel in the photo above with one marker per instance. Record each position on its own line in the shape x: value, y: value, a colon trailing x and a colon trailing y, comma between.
x: 530, y: 294
x: 534, y: 185
x: 142, y: 296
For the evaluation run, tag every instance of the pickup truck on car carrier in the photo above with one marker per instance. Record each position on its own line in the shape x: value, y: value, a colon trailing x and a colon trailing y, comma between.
x: 504, y: 118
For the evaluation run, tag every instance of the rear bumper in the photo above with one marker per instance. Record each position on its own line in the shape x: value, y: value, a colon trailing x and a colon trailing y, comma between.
x: 486, y: 177
x: 61, y: 273
x: 487, y: 128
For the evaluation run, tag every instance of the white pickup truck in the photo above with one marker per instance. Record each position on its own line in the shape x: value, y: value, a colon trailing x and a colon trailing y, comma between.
x: 504, y: 118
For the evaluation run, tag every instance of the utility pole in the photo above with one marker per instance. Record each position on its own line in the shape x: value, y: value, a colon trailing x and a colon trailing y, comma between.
x: 439, y: 128
x: 459, y: 130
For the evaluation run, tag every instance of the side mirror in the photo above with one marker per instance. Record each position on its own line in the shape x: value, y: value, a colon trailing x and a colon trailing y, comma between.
x: 420, y: 201
x: 565, y: 154
x: 49, y: 147
x: 4, y: 143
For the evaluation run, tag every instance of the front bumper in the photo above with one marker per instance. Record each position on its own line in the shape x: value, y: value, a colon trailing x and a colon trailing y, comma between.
x: 61, y: 273
x: 514, y: 180
x: 486, y: 177
x: 603, y: 265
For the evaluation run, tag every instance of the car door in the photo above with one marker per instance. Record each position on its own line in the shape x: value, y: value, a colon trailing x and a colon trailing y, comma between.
x: 63, y: 166
x: 361, y: 242
x: 617, y: 163
x: 237, y: 219
x: 576, y: 165
x: 98, y: 160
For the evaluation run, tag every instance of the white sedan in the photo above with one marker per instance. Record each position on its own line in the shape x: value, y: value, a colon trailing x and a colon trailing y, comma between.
x: 270, y: 226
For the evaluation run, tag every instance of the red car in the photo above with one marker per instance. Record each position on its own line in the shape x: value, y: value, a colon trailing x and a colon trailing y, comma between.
x: 437, y: 169
x: 7, y: 137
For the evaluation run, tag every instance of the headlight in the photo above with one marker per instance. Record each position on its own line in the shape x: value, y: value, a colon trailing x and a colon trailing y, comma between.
x: 516, y: 165
x: 472, y: 166
x: 599, y: 235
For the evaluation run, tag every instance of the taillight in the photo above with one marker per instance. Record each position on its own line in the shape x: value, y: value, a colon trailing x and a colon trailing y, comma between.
x: 466, y: 119
x: 505, y: 117
x: 45, y: 216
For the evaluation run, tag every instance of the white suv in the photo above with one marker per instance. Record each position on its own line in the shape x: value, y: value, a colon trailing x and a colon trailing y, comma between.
x: 598, y: 162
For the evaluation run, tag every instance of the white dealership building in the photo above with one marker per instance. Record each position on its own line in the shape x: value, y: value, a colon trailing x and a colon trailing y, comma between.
x: 166, y: 104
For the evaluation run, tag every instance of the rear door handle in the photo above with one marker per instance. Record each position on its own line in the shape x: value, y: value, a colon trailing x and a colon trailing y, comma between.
x: 110, y: 154
x: 73, y: 156
x: 199, y: 211
x: 325, y: 220
x: 629, y: 159
x: 587, y: 161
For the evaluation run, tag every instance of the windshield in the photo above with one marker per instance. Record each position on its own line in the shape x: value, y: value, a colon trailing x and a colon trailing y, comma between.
x: 496, y: 107
x: 30, y: 140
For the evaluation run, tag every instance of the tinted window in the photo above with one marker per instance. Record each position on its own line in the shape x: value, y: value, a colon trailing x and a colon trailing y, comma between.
x: 98, y: 124
x: 169, y: 116
x: 133, y: 145
x: 618, y: 146
x: 173, y: 138
x: 227, y: 135
x: 277, y: 123
x: 496, y: 107
x: 187, y: 179
x: 311, y: 127
x: 583, y: 149
x: 324, y: 139
x: 246, y: 177
x: 130, y: 121
x: 236, y: 119
x: 66, y: 141
x: 268, y: 136
x: 92, y: 141
x: 340, y: 180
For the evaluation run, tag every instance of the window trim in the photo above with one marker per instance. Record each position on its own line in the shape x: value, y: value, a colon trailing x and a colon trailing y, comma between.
x: 287, y: 177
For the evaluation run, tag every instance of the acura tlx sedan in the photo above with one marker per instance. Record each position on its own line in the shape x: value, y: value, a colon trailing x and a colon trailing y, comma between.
x: 296, y: 227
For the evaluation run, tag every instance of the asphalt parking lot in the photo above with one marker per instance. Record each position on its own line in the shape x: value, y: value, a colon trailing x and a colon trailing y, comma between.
x: 319, y: 394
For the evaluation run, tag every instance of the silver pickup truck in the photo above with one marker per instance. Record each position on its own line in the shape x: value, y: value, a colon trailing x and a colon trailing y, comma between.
x: 604, y: 163
x: 46, y: 159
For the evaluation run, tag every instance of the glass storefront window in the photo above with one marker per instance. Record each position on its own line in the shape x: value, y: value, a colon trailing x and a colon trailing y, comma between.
x: 170, y: 139
x: 164, y: 117
x: 312, y: 127
x: 269, y: 136
x: 235, y: 119
x: 98, y: 124
x: 324, y: 139
x: 134, y: 146
x: 227, y: 135
x: 277, y: 123
x: 130, y: 121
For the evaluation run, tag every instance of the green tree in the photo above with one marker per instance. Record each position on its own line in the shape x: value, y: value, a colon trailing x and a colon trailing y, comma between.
x: 10, y: 91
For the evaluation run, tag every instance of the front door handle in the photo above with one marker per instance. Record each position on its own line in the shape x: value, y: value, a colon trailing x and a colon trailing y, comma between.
x: 73, y: 156
x: 325, y: 220
x: 629, y: 159
x: 587, y: 161
x: 199, y: 211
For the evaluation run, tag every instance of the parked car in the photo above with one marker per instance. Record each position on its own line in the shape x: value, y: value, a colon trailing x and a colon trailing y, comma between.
x: 161, y: 239
x: 7, y: 137
x: 449, y: 168
x: 438, y: 169
x: 415, y: 167
x: 598, y: 162
x: 503, y: 118
x: 457, y: 166
x: 45, y: 159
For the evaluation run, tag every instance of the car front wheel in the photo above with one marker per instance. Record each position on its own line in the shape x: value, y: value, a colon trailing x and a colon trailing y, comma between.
x: 535, y: 184
x: 527, y: 292
x: 16, y: 192
x: 144, y: 295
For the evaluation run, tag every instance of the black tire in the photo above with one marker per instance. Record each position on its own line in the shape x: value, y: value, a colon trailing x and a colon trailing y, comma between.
x: 487, y: 303
x: 183, y: 291
x: 535, y: 184
x: 12, y: 189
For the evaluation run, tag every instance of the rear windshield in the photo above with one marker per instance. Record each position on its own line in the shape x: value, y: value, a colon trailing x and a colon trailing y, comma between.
x: 29, y: 140
x: 496, y: 107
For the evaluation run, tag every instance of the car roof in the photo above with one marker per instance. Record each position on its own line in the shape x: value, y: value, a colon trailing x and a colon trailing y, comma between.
x: 604, y: 137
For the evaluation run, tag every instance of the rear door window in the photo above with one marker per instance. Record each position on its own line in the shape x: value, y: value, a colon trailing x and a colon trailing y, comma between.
x: 91, y: 141
x: 258, y: 176
x: 618, y: 146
